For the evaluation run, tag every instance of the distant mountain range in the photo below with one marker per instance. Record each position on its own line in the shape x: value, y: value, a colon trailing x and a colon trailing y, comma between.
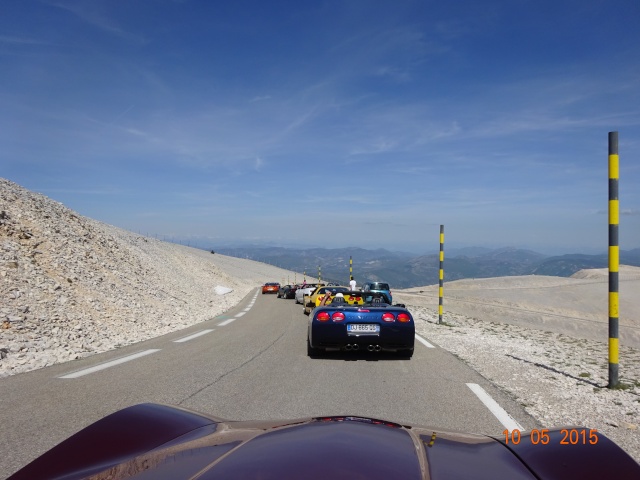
x: 404, y: 270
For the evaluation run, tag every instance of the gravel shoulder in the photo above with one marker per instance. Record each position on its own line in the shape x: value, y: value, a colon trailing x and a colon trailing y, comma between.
x: 558, y: 378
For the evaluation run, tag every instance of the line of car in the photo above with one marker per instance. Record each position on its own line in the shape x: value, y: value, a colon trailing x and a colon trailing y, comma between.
x: 343, y: 320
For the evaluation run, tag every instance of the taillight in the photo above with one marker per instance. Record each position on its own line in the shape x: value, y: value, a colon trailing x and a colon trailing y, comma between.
x: 403, y: 317
x: 323, y: 316
x: 388, y: 317
x: 337, y: 317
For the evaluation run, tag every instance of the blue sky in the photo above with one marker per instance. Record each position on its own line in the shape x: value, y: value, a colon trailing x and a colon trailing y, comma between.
x: 328, y: 123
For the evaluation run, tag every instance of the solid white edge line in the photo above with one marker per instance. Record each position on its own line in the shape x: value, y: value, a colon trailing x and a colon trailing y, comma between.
x: 195, y: 335
x: 500, y: 413
x: 112, y: 363
x: 226, y: 322
x: 423, y: 341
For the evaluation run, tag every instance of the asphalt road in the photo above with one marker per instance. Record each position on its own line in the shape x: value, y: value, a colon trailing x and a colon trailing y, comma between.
x: 251, y: 365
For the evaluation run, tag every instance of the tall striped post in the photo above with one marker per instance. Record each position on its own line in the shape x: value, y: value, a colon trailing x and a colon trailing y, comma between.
x: 350, y: 268
x: 319, y: 275
x: 614, y: 257
x: 441, y: 283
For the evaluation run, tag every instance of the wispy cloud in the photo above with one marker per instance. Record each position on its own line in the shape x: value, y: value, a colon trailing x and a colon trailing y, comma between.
x: 260, y: 98
x: 630, y: 212
x: 407, y: 113
x: 93, y: 14
x: 10, y: 40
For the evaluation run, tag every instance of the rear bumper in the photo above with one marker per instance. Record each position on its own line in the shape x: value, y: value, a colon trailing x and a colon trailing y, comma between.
x: 334, y: 336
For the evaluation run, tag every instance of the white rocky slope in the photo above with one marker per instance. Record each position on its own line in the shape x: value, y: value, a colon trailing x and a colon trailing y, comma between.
x: 71, y: 287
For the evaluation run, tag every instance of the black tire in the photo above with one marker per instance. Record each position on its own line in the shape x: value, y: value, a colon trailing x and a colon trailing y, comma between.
x: 312, y: 352
x: 406, y: 354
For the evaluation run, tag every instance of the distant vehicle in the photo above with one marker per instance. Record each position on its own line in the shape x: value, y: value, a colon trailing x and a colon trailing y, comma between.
x: 160, y: 441
x: 374, y: 326
x: 271, y: 287
x: 378, y: 287
x: 281, y: 290
x: 313, y: 300
x: 291, y: 292
x: 306, y: 289
x: 287, y: 291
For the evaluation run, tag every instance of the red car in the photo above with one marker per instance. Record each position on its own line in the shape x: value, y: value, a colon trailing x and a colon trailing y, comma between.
x: 270, y: 287
x: 154, y: 441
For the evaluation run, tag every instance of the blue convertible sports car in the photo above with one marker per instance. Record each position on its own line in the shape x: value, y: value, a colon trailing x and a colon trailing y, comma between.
x: 374, y: 326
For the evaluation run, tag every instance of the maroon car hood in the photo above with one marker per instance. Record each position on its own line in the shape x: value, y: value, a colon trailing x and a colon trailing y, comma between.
x: 310, y: 448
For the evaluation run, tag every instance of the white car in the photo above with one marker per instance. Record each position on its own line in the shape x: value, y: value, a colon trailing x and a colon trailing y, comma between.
x: 307, y: 290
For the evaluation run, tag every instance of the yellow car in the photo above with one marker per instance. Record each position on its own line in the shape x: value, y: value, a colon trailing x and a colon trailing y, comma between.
x: 312, y: 301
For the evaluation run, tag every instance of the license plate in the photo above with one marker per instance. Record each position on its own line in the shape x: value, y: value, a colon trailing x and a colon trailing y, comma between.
x: 363, y: 328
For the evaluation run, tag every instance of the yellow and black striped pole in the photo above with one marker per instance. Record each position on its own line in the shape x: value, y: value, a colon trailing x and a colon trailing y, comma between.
x: 441, y: 284
x: 614, y: 257
x: 350, y: 268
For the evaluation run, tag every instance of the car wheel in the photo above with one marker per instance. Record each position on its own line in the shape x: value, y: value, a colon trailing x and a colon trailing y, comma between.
x: 312, y: 352
x: 407, y: 354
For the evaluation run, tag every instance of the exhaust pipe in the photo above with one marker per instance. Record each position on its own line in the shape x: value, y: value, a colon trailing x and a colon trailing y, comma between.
x: 355, y: 346
x: 370, y: 348
x: 348, y: 346
x: 377, y: 348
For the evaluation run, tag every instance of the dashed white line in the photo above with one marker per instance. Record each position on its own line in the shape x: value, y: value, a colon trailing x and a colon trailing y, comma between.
x: 195, y: 335
x: 424, y: 342
x: 112, y: 363
x: 500, y: 413
x: 239, y: 314
x: 226, y: 322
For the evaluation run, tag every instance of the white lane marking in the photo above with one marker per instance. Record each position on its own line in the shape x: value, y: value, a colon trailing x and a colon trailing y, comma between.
x: 424, y: 342
x: 238, y: 315
x: 112, y: 363
x: 195, y: 335
x: 247, y: 309
x: 499, y: 412
x: 226, y: 322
